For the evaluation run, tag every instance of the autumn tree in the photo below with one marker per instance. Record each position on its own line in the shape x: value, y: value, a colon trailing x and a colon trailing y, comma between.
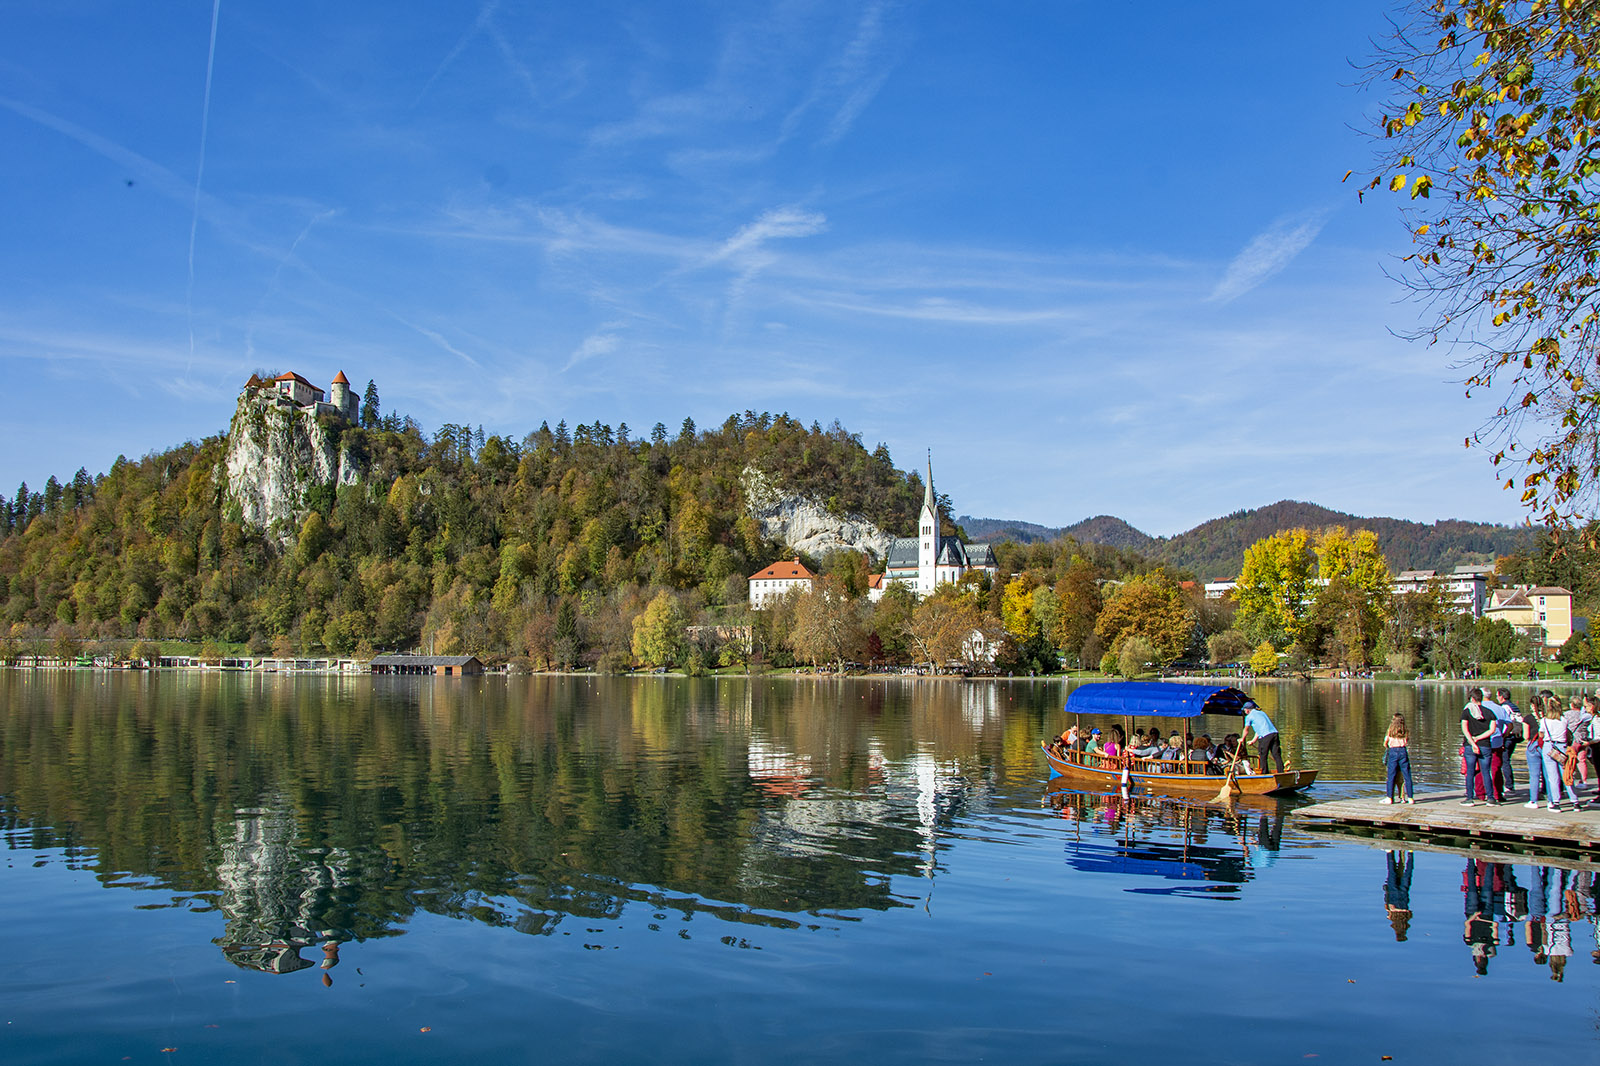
x: 1490, y: 129
x: 658, y: 632
x: 1274, y: 588
x: 827, y: 623
x: 1149, y: 606
x: 940, y: 625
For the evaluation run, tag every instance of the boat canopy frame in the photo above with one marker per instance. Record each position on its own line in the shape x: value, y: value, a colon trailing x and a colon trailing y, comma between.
x: 1160, y: 699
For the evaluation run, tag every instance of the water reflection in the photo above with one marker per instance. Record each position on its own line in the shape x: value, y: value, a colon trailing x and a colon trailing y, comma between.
x: 317, y: 811
x: 1543, y: 905
x: 1204, y: 849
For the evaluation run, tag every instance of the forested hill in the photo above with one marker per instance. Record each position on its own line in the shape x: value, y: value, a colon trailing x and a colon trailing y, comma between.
x: 1213, y: 550
x: 446, y: 542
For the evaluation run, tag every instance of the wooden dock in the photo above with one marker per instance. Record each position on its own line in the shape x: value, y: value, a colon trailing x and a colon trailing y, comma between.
x: 1439, y: 818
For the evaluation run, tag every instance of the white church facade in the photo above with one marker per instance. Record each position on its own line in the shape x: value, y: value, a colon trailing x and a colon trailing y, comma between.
x: 930, y: 559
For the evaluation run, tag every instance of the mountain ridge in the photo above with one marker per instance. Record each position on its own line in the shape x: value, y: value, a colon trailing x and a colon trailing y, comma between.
x: 1214, y: 549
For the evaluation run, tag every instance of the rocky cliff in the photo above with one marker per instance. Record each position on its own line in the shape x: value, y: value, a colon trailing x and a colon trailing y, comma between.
x: 275, y: 454
x: 806, y: 525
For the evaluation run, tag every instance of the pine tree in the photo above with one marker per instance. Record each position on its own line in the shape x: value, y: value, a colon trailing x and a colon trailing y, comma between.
x: 369, y: 406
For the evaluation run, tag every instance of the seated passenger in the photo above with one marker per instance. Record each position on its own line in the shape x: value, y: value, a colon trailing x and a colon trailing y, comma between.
x: 1093, y: 746
x: 1148, y: 746
x: 1117, y: 742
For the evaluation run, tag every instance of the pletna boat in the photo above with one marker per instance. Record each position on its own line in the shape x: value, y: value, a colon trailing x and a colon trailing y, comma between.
x: 1181, y: 777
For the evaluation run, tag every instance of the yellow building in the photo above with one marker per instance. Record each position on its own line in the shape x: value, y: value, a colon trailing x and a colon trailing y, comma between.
x: 1542, y: 613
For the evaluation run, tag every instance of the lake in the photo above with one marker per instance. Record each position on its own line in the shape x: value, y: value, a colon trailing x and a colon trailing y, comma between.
x: 224, y: 868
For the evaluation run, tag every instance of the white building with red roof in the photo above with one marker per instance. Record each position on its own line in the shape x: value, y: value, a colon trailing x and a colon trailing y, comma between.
x: 776, y: 581
x: 292, y: 390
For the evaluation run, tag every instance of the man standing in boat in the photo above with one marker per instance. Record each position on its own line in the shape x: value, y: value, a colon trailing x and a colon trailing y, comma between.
x: 1266, y: 735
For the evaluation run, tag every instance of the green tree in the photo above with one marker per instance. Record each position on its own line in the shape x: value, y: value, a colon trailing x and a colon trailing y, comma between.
x: 1135, y: 655
x: 1265, y: 659
x: 369, y: 406
x: 1229, y: 646
x: 1489, y: 133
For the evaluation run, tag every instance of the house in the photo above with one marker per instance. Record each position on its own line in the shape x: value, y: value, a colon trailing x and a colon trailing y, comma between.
x: 930, y: 558
x: 1540, y: 612
x: 1221, y: 590
x: 439, y: 665
x: 776, y: 580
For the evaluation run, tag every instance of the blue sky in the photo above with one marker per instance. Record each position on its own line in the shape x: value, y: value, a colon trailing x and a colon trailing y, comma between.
x: 1097, y: 257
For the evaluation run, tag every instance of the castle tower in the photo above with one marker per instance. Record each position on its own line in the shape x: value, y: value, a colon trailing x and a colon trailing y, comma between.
x: 342, y: 398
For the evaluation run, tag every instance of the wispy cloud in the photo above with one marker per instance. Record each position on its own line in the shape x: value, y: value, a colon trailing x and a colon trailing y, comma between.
x: 438, y: 338
x: 200, y: 166
x: 602, y: 342
x: 479, y: 25
x: 776, y: 224
x: 1267, y: 254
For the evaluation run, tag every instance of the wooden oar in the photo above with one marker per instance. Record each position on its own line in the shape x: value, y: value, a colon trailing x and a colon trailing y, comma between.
x: 1230, y: 784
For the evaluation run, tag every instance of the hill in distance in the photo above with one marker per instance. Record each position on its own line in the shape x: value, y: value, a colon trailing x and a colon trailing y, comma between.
x: 1214, y: 550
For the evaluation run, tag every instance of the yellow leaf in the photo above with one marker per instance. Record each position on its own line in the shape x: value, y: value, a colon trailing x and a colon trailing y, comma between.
x: 1397, y: 183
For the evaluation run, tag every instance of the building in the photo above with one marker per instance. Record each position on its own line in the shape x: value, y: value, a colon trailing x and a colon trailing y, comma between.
x: 1544, y: 614
x: 439, y: 665
x: 776, y: 580
x: 1466, y: 586
x: 930, y: 559
x: 1221, y: 590
x: 292, y: 390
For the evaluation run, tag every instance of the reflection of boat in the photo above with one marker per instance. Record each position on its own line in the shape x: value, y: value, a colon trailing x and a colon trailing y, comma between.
x: 1191, y: 847
x: 1166, y: 777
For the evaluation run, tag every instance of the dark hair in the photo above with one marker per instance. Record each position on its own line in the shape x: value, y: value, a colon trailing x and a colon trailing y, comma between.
x: 1475, y: 694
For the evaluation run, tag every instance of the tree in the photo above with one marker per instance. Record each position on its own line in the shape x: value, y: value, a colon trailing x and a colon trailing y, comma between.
x: 941, y: 624
x: 1149, y: 606
x: 369, y: 406
x: 1136, y: 654
x: 827, y: 625
x: 1265, y: 659
x: 1274, y: 589
x: 1229, y: 646
x: 658, y: 632
x: 1490, y: 129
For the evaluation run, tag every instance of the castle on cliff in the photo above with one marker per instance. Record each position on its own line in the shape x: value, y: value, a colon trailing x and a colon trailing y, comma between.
x: 292, y: 390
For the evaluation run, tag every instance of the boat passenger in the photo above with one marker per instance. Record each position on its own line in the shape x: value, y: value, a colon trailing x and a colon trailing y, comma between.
x: 1148, y: 745
x: 1093, y: 746
x: 1174, y: 751
x: 1116, y: 743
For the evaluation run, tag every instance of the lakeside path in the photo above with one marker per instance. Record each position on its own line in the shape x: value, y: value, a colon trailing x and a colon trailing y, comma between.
x: 1441, y: 817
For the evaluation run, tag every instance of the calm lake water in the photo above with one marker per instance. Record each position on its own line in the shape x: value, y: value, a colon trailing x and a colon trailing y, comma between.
x: 565, y: 870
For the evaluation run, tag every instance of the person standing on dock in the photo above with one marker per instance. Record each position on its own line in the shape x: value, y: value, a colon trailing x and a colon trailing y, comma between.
x: 1397, y: 759
x: 1257, y: 722
x: 1554, y: 740
x: 1510, y: 732
x: 1477, y: 730
x: 1534, y: 747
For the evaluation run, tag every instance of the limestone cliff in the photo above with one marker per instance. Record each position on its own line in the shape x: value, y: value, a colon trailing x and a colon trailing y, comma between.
x: 275, y: 454
x: 806, y: 525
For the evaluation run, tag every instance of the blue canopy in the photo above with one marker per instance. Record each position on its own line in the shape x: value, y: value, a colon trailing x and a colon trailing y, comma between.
x: 1163, y: 699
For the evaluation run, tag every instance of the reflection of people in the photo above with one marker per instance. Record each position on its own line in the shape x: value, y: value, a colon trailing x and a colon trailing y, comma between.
x: 1266, y: 735
x: 1480, y: 932
x: 1533, y: 929
x: 330, y: 959
x: 1397, y: 892
x: 1397, y: 758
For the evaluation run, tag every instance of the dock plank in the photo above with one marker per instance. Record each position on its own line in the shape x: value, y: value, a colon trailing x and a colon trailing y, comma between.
x: 1441, y: 814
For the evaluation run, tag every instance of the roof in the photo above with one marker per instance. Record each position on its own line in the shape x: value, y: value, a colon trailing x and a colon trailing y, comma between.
x: 1515, y: 598
x: 788, y: 570
x: 1415, y: 575
x: 902, y: 552
x: 423, y: 660
x: 292, y: 376
x: 340, y: 379
x: 1159, y: 698
x: 874, y: 581
x: 1549, y: 590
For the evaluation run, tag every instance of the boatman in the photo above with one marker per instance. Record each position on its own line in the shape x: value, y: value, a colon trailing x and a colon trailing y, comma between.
x: 1266, y: 735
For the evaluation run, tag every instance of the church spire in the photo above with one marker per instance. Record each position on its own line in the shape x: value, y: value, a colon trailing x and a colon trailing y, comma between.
x: 927, y: 488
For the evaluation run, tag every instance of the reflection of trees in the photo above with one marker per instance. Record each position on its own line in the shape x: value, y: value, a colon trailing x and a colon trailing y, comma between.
x: 318, y: 807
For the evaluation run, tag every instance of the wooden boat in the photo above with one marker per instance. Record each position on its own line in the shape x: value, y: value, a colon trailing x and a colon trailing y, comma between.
x: 1181, y: 777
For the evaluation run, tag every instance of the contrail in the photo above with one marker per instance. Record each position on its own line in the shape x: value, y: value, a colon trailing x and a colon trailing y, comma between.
x: 200, y: 170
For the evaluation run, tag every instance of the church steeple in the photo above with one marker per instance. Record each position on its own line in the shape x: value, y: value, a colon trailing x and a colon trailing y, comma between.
x: 927, y: 487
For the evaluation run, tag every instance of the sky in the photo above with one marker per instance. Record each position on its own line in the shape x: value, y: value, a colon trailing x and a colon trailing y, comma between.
x: 1097, y: 258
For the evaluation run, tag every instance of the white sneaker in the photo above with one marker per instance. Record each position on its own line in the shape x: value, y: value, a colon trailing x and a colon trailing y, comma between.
x: 1386, y: 801
x: 1532, y: 804
x: 1411, y: 799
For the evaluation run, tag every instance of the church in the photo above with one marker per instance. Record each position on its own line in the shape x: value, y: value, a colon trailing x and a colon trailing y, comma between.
x: 930, y: 559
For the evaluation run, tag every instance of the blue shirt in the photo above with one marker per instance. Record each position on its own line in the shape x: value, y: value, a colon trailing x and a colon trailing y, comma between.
x: 1505, y: 714
x: 1258, y: 723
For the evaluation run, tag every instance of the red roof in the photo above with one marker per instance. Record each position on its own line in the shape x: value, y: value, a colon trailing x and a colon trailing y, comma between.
x: 340, y: 379
x: 789, y: 569
x: 874, y: 581
x: 292, y: 376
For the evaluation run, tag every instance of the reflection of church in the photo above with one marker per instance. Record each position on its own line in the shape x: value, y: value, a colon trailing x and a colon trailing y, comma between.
x: 277, y: 894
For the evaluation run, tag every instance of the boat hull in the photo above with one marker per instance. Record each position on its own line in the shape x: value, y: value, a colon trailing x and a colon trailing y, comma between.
x: 1174, y: 784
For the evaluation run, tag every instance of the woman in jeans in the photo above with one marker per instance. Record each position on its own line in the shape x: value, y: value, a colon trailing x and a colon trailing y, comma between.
x: 1533, y: 748
x: 1553, y: 742
x: 1397, y: 757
